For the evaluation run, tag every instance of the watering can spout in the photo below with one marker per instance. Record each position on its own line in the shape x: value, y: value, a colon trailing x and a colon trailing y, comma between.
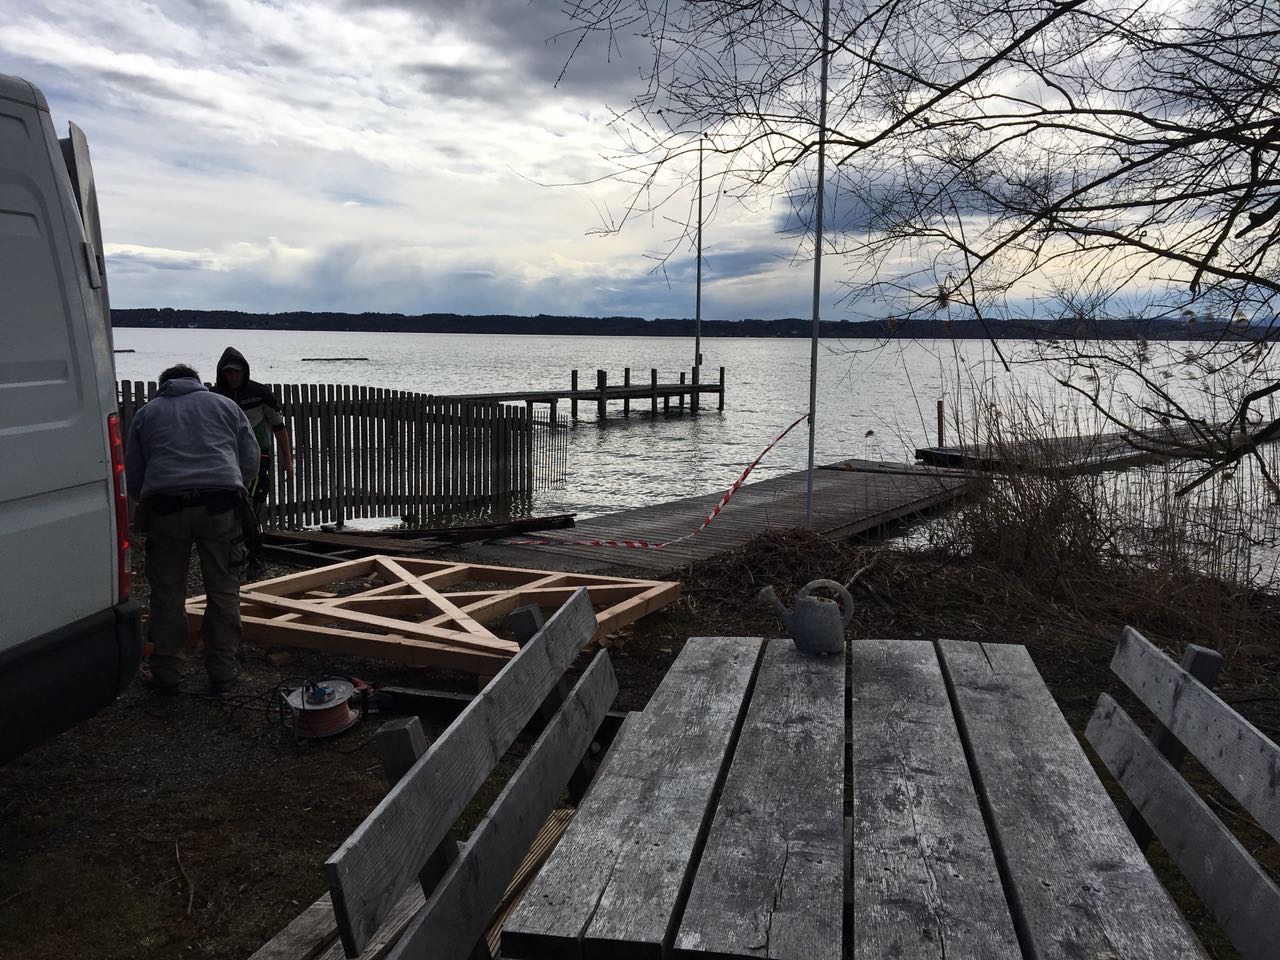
x: 768, y: 596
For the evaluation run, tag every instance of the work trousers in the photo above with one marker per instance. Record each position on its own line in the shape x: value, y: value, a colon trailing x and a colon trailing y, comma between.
x: 219, y: 541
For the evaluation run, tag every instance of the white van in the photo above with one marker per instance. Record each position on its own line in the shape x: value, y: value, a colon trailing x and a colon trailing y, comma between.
x: 70, y: 637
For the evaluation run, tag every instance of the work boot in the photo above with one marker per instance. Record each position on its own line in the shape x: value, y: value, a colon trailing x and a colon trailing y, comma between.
x: 221, y: 688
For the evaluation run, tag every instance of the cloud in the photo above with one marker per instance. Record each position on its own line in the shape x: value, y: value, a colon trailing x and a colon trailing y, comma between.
x: 354, y: 155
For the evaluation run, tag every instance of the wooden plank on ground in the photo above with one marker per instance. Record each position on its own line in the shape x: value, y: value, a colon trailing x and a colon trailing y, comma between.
x: 1237, y: 891
x: 458, y: 911
x: 1236, y: 752
x: 617, y: 877
x: 379, y: 861
x: 1080, y: 885
x: 770, y: 881
x: 925, y: 881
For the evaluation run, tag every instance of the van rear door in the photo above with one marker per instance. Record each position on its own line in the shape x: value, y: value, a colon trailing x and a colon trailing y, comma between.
x: 57, y: 536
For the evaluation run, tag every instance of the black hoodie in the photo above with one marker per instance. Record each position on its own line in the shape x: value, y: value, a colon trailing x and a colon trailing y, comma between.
x: 256, y: 400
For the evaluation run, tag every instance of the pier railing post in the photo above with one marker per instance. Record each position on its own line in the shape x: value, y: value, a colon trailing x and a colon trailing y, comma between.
x: 602, y: 383
x: 721, y: 388
x: 573, y: 400
x: 653, y: 389
x: 626, y: 400
x: 693, y: 396
x: 682, y: 390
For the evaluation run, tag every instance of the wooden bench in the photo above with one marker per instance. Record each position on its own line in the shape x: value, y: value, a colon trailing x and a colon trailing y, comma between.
x: 400, y: 885
x: 1230, y: 882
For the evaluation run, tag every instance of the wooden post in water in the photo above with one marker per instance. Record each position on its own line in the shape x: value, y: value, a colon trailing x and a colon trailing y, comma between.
x: 693, y: 396
x: 682, y: 390
x: 602, y: 384
x: 626, y: 382
x: 721, y: 407
x: 941, y: 432
x: 573, y: 400
x: 653, y: 389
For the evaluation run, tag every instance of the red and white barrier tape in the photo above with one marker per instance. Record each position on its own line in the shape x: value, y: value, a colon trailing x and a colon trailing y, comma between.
x: 645, y: 544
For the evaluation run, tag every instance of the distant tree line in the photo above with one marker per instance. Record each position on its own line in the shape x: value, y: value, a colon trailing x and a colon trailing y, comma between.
x: 1075, y: 328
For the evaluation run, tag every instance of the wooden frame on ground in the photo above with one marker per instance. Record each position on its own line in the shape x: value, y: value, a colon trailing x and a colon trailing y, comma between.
x: 430, y: 613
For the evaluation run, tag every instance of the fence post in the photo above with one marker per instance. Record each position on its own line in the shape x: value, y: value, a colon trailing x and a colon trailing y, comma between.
x: 573, y: 394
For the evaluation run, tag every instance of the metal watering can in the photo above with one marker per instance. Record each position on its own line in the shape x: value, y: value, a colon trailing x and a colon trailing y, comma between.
x: 817, y: 624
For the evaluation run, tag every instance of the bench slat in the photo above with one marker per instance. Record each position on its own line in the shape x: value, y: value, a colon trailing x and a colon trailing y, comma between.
x: 1080, y: 887
x: 306, y: 937
x: 377, y: 863
x: 1231, y: 748
x: 925, y: 882
x: 1232, y: 885
x: 770, y: 878
x: 619, y: 871
x: 458, y: 911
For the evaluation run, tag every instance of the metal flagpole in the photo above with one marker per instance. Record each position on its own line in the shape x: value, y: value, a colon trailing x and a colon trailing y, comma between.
x: 697, y: 322
x: 817, y: 263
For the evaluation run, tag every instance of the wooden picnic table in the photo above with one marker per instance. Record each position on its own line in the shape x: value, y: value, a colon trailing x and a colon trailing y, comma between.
x: 923, y: 800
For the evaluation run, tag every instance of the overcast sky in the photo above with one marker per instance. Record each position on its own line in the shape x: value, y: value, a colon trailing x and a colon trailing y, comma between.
x: 354, y: 155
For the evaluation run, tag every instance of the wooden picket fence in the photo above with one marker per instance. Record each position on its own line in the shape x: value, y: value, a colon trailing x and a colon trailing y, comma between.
x: 365, y: 452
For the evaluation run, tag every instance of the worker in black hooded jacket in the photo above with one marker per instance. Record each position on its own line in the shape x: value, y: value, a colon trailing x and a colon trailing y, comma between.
x: 263, y: 410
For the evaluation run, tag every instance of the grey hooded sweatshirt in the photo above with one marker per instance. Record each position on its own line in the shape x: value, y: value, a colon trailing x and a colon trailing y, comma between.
x: 188, y: 438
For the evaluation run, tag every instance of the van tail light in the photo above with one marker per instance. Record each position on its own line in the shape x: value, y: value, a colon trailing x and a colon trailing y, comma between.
x: 125, y: 578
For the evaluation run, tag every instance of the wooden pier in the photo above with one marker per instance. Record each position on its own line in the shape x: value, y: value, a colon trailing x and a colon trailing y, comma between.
x: 688, y: 388
x: 846, y: 501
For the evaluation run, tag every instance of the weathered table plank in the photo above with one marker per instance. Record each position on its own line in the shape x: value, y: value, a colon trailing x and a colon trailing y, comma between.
x: 770, y: 882
x: 614, y: 883
x: 1079, y: 887
x: 925, y: 881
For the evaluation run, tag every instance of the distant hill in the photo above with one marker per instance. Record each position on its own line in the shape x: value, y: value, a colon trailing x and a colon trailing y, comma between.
x: 543, y: 324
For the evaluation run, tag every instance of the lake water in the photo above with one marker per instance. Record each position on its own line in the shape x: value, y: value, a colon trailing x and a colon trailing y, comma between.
x: 875, y: 400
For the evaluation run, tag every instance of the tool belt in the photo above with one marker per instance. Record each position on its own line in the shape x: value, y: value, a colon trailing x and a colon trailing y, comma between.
x: 214, y: 501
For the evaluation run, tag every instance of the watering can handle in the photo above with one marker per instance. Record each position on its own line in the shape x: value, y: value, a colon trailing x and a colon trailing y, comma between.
x: 846, y: 601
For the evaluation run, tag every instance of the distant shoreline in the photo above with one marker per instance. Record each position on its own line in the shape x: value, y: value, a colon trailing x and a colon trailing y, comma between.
x: 787, y: 327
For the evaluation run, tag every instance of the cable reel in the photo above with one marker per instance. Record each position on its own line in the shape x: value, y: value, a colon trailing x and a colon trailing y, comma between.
x: 321, y: 708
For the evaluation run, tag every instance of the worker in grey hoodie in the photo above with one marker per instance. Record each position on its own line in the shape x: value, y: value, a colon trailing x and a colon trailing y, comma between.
x: 189, y: 458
